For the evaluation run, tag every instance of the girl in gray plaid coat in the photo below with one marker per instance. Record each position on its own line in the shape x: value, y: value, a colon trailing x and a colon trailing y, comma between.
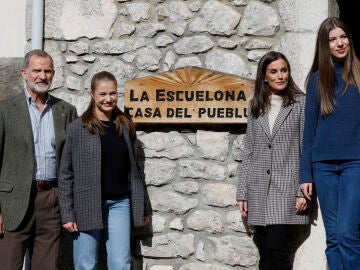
x: 268, y: 193
x: 100, y: 186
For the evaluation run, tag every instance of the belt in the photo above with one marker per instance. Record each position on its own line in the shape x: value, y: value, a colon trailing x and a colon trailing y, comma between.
x: 45, y: 184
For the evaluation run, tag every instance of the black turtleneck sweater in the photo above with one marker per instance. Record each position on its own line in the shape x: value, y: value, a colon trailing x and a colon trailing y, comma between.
x: 115, y: 164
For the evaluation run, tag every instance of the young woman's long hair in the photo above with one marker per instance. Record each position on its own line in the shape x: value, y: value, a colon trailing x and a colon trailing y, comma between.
x: 92, y: 123
x: 324, y: 63
x: 260, y: 103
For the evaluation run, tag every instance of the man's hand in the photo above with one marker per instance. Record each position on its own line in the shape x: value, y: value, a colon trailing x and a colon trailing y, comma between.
x: 243, y: 207
x: 70, y: 227
x: 307, y: 189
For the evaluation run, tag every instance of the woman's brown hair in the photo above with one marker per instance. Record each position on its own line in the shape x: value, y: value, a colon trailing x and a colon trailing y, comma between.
x: 324, y: 64
x: 260, y: 103
x: 92, y: 123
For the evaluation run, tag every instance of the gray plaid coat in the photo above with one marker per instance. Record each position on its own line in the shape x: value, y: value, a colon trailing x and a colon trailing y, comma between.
x: 80, y: 180
x: 269, y: 171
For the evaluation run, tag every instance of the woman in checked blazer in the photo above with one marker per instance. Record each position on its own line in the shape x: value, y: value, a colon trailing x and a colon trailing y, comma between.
x: 268, y: 192
x: 100, y: 187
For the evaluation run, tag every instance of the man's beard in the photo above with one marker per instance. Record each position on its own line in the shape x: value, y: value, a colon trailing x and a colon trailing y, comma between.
x: 37, y: 89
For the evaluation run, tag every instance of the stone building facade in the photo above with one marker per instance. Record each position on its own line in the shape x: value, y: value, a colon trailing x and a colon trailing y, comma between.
x: 191, y: 171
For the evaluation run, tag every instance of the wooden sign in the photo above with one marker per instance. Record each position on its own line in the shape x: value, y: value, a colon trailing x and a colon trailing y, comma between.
x: 188, y: 95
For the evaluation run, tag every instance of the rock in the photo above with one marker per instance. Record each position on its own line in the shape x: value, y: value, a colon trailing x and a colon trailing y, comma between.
x: 128, y: 57
x: 195, y: 6
x: 113, y: 47
x: 63, y: 47
x: 139, y: 43
x: 186, y: 187
x: 227, y: 43
x: 79, y: 48
x: 73, y: 83
x: 258, y: 44
x: 125, y: 29
x: 243, y: 40
x: 148, y: 58
x: 232, y: 168
x: 162, y: 13
x: 203, y: 266
x: 200, y: 253
x: 194, y: 44
x: 70, y: 58
x: 178, y: 28
x: 239, y: 3
x: 159, y: 172
x: 11, y: 82
x: 80, y: 101
x: 169, y: 60
x: 215, y: 18
x: 139, y: 12
x: 122, y: 72
x: 238, y: 147
x: 171, y: 245
x: 205, y: 140
x: 158, y: 223
x: 179, y: 11
x: 123, y: 12
x: 53, y: 49
x: 202, y: 169
x: 95, y: 17
x: 169, y: 145
x: 89, y: 58
x: 259, y: 20
x: 78, y: 69
x: 176, y: 224
x: 219, y: 194
x: 255, y: 55
x: 161, y: 267
x: 170, y: 202
x: 234, y: 221
x: 205, y: 220
x: 148, y: 30
x: 191, y: 61
x: 192, y: 139
x: 233, y: 250
x: 226, y: 62
x: 252, y: 72
x: 163, y: 41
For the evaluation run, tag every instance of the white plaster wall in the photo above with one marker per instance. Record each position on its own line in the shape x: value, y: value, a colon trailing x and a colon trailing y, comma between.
x: 12, y: 30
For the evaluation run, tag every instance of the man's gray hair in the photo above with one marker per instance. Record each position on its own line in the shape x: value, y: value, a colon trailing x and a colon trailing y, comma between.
x: 39, y: 53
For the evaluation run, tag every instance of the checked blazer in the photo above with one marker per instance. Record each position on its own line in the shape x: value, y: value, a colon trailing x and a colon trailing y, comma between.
x: 269, y: 171
x: 80, y: 179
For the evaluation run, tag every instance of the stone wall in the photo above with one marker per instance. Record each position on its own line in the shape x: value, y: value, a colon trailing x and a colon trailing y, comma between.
x: 10, y: 78
x: 192, y: 177
x: 191, y: 171
x: 137, y: 38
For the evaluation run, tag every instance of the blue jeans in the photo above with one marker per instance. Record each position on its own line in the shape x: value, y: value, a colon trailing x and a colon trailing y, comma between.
x: 116, y: 219
x: 338, y: 188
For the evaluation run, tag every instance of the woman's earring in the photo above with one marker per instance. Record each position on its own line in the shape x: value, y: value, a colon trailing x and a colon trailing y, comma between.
x: 265, y: 81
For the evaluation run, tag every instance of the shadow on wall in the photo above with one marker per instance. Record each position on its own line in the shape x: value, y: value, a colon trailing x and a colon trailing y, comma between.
x: 11, y: 82
x: 143, y: 234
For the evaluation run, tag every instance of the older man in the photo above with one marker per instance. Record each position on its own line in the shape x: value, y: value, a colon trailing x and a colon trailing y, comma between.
x: 32, y: 134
